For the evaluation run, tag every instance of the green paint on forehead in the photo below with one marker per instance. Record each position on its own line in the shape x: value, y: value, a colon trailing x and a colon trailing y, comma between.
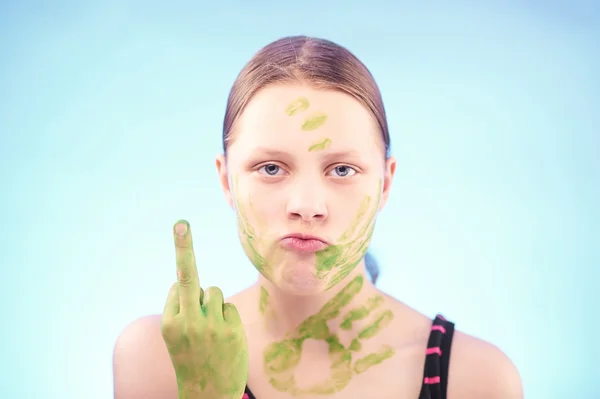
x: 321, y: 145
x: 298, y: 105
x: 314, y: 122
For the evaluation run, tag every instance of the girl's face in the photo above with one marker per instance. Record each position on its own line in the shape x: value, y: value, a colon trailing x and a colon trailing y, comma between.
x: 306, y: 175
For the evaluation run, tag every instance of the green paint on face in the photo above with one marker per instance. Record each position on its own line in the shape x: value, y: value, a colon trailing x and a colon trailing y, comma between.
x: 352, y: 245
x: 298, y: 105
x: 321, y: 145
x: 358, y: 245
x: 362, y: 210
x: 249, y: 237
x: 264, y: 300
x: 281, y: 358
x: 314, y: 122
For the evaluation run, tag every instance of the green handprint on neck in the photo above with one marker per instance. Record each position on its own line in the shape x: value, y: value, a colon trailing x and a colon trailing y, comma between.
x: 282, y: 358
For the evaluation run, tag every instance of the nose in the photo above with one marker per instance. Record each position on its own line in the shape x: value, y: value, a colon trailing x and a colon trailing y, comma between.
x: 307, y: 204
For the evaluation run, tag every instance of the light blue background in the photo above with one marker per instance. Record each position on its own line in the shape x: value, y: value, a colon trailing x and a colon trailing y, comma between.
x: 110, y: 117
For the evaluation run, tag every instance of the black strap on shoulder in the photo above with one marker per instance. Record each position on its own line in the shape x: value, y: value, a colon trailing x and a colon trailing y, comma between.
x: 437, y: 359
x: 248, y: 394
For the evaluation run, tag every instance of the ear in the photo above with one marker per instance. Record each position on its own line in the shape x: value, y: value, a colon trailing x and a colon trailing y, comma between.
x: 221, y: 164
x: 389, y: 172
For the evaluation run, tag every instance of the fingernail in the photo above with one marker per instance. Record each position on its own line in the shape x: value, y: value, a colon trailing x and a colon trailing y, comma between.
x: 181, y: 229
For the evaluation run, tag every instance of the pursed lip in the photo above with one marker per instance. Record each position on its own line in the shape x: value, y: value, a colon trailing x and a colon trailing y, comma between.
x: 305, y: 237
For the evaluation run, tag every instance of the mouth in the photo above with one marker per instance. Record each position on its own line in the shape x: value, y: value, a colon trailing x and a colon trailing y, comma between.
x: 303, y: 243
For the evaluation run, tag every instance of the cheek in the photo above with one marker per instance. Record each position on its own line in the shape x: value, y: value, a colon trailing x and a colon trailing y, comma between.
x: 345, y: 200
x: 264, y: 206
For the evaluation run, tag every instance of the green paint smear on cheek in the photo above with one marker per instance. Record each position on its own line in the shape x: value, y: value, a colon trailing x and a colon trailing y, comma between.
x: 314, y: 122
x: 281, y: 358
x: 336, y: 255
x: 356, y: 248
x: 320, y: 146
x: 298, y: 105
x: 353, y: 243
x: 250, y: 238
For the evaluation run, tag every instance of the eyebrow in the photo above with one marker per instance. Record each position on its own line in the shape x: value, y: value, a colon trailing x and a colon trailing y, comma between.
x: 272, y: 152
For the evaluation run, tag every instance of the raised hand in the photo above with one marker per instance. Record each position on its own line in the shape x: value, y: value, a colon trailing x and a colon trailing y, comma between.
x: 205, y: 337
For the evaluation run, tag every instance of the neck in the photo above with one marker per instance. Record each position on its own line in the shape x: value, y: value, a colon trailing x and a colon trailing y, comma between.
x: 284, y: 312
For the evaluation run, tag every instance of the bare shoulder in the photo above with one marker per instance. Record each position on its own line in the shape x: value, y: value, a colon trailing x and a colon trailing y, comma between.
x: 142, y: 367
x: 479, y: 369
x: 141, y: 364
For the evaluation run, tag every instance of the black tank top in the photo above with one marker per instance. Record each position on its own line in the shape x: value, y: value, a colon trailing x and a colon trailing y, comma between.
x: 437, y: 361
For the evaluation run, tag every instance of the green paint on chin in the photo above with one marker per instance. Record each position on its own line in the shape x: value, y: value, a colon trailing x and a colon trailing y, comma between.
x: 314, y: 122
x: 298, y: 105
x: 320, y: 146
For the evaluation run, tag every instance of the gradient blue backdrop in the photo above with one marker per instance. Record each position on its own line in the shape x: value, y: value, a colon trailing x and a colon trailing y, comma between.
x: 110, y: 116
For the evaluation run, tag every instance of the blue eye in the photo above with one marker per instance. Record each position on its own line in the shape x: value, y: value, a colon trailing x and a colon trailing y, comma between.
x: 343, y: 171
x: 270, y: 169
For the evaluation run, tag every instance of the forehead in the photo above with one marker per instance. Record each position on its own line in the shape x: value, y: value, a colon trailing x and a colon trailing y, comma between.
x: 294, y: 116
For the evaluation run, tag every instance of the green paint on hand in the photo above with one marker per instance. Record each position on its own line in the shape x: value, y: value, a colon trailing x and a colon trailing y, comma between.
x: 209, y: 359
x: 298, y: 105
x: 314, y: 122
x: 321, y: 145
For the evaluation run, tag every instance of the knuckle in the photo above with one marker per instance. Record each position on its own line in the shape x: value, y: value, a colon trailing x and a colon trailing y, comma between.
x: 183, y: 277
x: 168, y: 328
x: 214, y: 292
x: 192, y: 330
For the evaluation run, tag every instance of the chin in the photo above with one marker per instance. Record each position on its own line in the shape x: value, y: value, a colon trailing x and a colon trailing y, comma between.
x: 299, y: 279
